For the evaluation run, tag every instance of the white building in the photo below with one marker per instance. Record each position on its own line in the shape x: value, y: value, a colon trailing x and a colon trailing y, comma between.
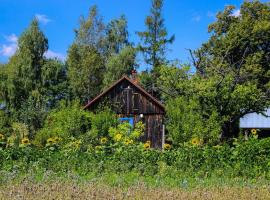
x: 254, y: 120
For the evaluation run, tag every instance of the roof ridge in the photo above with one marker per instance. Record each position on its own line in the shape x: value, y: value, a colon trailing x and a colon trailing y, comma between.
x: 118, y: 81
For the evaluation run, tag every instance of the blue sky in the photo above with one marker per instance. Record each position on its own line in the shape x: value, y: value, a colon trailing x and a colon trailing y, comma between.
x: 187, y: 19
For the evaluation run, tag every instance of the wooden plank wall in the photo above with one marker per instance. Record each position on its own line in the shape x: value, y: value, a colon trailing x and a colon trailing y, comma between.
x: 127, y: 100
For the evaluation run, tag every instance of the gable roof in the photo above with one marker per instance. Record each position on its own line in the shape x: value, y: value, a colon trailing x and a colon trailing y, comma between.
x: 132, y: 83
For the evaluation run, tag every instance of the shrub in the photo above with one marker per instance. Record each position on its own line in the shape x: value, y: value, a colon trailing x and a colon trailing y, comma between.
x: 187, y: 120
x: 65, y: 122
x: 5, y: 127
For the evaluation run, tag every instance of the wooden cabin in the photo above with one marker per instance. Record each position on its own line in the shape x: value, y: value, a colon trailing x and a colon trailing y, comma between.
x: 133, y: 104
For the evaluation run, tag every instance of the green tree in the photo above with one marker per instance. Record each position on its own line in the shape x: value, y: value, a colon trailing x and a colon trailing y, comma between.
x: 91, y: 30
x: 116, y: 36
x: 29, y: 81
x: 154, y: 38
x: 234, y: 64
x: 4, y: 123
x: 120, y: 55
x: 119, y: 64
x: 154, y: 42
x: 23, y: 72
x: 85, y: 58
x: 85, y: 72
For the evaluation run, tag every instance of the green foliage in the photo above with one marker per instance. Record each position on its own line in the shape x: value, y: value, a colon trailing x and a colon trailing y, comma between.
x: 244, y: 159
x: 65, y: 122
x: 85, y: 71
x: 154, y: 38
x: 24, y: 68
x: 119, y: 53
x: 116, y: 37
x: 124, y: 132
x: 231, y: 79
x: 30, y: 83
x: 119, y: 65
x: 154, y: 42
x: 234, y: 64
x: 187, y: 120
x: 101, y: 123
x: 4, y: 122
x: 20, y: 131
x: 91, y: 30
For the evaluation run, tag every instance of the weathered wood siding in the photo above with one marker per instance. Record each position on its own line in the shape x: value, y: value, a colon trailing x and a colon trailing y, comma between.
x: 128, y: 101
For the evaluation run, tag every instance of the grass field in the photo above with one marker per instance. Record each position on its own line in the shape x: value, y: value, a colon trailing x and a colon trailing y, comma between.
x: 131, y: 186
x: 68, y: 190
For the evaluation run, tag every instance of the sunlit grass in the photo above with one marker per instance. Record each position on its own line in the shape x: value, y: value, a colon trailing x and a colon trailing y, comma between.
x: 89, y: 190
x: 131, y: 186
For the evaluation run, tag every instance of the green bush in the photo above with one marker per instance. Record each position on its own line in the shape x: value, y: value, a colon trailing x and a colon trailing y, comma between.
x: 65, y: 122
x: 246, y: 159
x: 187, y: 120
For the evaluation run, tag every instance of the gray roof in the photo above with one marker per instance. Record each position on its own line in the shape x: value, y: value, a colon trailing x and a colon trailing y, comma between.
x: 254, y: 120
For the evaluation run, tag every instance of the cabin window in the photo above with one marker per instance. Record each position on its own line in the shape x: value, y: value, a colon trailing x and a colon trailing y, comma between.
x: 129, y: 120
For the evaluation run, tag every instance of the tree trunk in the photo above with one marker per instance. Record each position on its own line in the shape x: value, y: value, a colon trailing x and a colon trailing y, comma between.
x: 229, y: 129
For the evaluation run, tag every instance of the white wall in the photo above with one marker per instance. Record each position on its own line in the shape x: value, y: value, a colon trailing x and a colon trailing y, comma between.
x: 254, y: 120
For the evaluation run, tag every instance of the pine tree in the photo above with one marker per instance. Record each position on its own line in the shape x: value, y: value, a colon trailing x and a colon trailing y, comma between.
x: 154, y: 41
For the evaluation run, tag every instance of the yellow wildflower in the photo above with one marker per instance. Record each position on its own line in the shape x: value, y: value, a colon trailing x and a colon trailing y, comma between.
x: 2, y: 137
x: 50, y: 141
x: 98, y: 148
x: 117, y: 137
x: 146, y: 145
x: 25, y: 141
x: 128, y: 142
x: 56, y: 139
x: 195, y: 141
x: 254, y: 131
x: 167, y: 146
x: 103, y: 140
x: 77, y: 143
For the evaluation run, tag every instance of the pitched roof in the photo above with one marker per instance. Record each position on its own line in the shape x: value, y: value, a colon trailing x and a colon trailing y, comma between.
x: 119, y: 81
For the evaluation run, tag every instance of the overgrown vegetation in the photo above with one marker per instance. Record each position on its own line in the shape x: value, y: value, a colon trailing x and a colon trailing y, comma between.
x: 43, y: 128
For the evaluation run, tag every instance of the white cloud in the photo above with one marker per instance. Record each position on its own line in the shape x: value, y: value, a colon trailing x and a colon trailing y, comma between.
x: 211, y: 14
x: 236, y: 13
x: 8, y: 50
x: 12, y: 38
x: 10, y: 47
x: 52, y: 54
x: 44, y: 19
x: 196, y: 18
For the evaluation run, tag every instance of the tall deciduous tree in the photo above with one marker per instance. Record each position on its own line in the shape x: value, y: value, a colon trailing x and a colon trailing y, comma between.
x: 25, y: 67
x: 116, y: 36
x: 120, y: 54
x: 119, y: 64
x: 91, y: 30
x: 85, y: 57
x: 235, y: 65
x: 29, y: 81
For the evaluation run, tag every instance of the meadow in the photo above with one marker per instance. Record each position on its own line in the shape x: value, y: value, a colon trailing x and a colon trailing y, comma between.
x: 134, y: 171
